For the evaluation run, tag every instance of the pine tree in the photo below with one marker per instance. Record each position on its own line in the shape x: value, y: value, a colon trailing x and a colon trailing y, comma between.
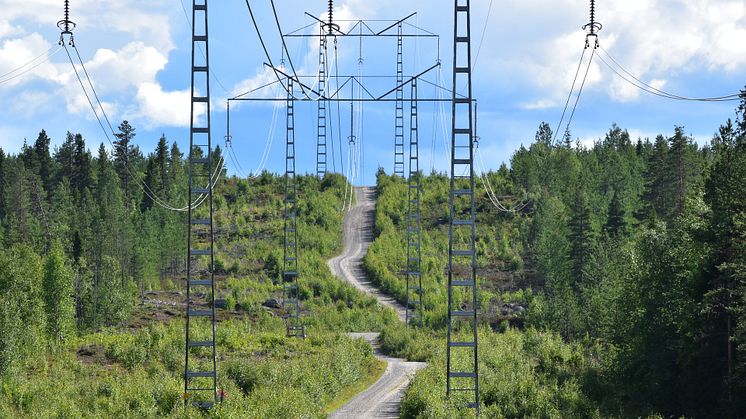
x: 151, y: 184
x: 19, y: 205
x: 82, y: 172
x: 161, y: 165
x: 123, y: 151
x: 682, y: 169
x: 615, y: 222
x: 582, y: 237
x: 544, y: 134
x: 655, y: 197
x: 46, y: 169
x: 724, y: 298
x: 64, y: 157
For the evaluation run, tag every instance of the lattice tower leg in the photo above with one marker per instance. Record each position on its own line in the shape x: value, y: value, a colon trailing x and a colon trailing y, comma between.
x: 462, y: 363
x: 399, y: 116
x: 414, y: 267
x: 200, y: 366
x: 291, y: 302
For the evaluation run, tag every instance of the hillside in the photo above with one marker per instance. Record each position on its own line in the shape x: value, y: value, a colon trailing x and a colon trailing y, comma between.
x: 616, y: 291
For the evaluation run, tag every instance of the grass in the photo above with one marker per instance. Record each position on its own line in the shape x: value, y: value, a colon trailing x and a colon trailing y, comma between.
x: 375, y: 371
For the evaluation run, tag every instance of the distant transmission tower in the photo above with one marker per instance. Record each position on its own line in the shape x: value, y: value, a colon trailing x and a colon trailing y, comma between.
x: 462, y: 361
x: 291, y: 300
x: 414, y: 261
x: 200, y: 365
x: 399, y: 116
x: 322, y: 105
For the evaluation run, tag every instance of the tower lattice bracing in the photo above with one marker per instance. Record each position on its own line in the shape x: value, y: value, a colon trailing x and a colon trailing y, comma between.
x: 291, y: 301
x: 321, y: 144
x: 462, y: 380
x: 414, y: 268
x: 399, y: 127
x: 200, y: 369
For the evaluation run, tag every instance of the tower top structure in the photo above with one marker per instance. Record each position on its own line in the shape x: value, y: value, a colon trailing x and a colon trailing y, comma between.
x: 66, y: 26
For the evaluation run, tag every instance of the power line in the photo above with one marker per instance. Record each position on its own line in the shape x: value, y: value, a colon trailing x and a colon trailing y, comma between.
x: 484, y: 32
x: 658, y: 92
x: 264, y: 46
x: 569, y: 95
x: 580, y: 91
x: 189, y: 21
x: 28, y: 69
x: 31, y: 61
x: 143, y: 186
x: 285, y: 47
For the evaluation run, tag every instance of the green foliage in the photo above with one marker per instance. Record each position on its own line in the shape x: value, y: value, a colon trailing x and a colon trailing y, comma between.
x: 522, y: 374
x: 58, y: 296
x: 22, y: 319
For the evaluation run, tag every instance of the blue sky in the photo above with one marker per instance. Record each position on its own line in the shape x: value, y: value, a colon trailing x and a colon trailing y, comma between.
x: 138, y: 55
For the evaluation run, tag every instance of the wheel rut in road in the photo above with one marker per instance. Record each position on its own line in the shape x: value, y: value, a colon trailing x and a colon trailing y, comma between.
x: 382, y: 399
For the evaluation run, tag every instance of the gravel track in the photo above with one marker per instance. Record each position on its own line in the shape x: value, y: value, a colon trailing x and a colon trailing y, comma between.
x: 382, y: 399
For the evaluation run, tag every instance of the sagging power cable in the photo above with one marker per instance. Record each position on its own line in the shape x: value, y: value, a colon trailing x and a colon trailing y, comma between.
x: 285, y: 47
x: 142, y: 185
x: 10, y: 75
x: 645, y: 87
x: 569, y: 95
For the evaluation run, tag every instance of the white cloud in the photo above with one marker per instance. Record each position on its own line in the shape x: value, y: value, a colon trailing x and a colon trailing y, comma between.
x: 132, y: 65
x: 535, y: 44
x: 164, y: 108
x: 539, y: 104
x: 6, y: 29
x: 19, y: 62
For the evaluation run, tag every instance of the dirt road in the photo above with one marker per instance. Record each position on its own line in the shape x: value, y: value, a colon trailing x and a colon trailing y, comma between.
x: 358, y: 235
x: 383, y: 398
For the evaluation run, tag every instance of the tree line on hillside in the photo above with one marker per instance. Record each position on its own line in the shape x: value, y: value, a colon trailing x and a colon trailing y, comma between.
x: 80, y: 237
x: 640, y: 248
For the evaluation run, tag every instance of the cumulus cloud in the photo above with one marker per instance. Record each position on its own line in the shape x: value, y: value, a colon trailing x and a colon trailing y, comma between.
x: 160, y: 107
x: 24, y: 59
x: 132, y: 65
x: 653, y: 40
x: 125, y: 76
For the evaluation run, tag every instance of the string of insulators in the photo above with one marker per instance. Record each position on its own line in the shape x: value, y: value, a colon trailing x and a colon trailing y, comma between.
x: 66, y: 26
x: 592, y: 27
x: 331, y: 15
x: 67, y: 15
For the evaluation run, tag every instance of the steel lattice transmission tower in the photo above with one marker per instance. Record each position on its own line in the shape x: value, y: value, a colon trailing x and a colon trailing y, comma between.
x: 462, y: 380
x: 322, y: 107
x: 200, y: 366
x: 414, y: 261
x: 399, y: 116
x: 291, y: 301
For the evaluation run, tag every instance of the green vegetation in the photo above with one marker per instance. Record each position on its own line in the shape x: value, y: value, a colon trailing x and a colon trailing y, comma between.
x: 618, y: 291
x: 90, y: 306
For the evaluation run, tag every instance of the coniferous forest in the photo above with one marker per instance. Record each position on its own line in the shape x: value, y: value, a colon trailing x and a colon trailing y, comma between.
x: 618, y: 289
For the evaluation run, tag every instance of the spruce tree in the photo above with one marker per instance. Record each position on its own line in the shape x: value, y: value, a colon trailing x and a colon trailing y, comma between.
x: 64, y: 157
x: 615, y: 222
x: 582, y: 236
x: 82, y: 171
x: 44, y: 159
x: 123, y: 150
